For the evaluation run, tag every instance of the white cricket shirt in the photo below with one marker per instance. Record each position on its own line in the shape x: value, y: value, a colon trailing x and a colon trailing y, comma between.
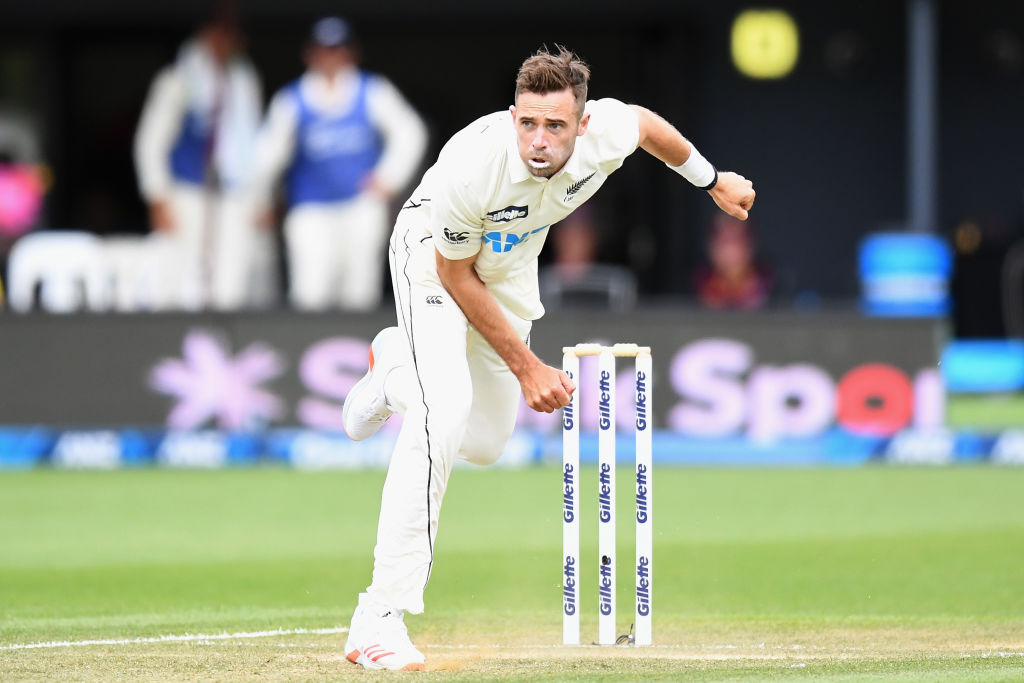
x: 483, y: 199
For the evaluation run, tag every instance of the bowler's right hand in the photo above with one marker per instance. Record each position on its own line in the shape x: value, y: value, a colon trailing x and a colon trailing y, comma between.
x: 546, y: 389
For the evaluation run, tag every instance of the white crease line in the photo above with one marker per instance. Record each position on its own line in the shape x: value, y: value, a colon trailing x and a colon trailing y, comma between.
x: 195, y: 637
x: 625, y: 648
x: 178, y: 638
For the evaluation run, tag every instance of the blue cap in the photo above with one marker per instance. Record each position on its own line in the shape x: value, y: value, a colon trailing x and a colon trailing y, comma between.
x: 331, y: 32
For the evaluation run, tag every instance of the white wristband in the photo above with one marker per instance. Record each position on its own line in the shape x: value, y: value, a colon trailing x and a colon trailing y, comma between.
x: 697, y: 170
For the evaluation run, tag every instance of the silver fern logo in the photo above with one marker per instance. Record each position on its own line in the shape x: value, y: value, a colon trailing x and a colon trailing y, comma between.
x: 575, y: 187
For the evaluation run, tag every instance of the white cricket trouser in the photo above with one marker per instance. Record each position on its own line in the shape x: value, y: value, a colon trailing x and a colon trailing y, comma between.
x: 214, y: 255
x: 459, y: 401
x: 335, y: 253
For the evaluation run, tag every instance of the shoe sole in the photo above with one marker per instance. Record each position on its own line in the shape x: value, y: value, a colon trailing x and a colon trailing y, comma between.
x: 356, y: 657
x: 365, y: 378
x: 356, y: 387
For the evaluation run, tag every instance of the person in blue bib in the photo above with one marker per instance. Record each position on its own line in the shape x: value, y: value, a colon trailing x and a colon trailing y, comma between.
x: 193, y: 150
x: 344, y: 141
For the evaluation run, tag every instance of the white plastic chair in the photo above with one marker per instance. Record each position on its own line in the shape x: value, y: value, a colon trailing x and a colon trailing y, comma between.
x: 67, y: 266
x: 132, y: 271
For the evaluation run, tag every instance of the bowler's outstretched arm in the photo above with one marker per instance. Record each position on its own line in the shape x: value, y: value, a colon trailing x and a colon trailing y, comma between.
x: 733, y: 193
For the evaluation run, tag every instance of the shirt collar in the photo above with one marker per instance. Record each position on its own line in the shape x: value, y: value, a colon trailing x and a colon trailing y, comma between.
x: 326, y: 89
x: 572, y: 164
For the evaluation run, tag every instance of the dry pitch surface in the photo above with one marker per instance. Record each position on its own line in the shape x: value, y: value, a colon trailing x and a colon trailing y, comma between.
x: 956, y: 652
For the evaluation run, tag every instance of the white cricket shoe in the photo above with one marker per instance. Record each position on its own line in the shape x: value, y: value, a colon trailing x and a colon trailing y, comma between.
x: 379, y: 640
x: 366, y: 407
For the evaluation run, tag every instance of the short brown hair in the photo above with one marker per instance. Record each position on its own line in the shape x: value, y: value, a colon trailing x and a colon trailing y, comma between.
x: 545, y: 72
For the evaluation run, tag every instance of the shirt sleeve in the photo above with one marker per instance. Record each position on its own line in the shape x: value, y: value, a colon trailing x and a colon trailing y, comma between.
x: 275, y: 146
x: 159, y: 125
x: 403, y: 132
x: 456, y: 222
x: 616, y: 130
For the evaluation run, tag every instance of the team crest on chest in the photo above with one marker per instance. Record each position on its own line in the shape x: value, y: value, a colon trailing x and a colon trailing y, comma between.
x: 578, y: 185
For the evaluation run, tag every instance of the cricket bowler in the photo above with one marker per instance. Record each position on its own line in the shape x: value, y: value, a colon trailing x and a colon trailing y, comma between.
x: 463, y: 258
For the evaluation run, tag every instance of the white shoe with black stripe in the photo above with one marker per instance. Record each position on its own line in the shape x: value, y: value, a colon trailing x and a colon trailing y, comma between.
x: 378, y: 639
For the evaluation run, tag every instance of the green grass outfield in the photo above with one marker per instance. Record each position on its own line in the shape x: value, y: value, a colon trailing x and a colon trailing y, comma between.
x: 873, y: 573
x: 986, y: 412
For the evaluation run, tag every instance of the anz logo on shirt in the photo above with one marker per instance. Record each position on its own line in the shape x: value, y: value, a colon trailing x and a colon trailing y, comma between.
x: 502, y: 242
x: 324, y: 140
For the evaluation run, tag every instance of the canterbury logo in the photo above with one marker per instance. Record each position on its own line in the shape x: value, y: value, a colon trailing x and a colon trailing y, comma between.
x: 575, y: 187
x: 375, y: 653
x: 452, y: 237
x: 435, y: 300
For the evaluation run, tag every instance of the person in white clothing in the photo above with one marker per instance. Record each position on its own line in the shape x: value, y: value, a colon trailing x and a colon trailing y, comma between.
x: 464, y: 269
x: 346, y: 142
x: 193, y: 151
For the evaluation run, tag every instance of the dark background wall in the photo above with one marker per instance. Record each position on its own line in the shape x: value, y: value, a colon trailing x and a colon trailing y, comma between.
x: 825, y: 146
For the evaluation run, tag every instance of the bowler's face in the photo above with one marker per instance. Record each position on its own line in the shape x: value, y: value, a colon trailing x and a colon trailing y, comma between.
x: 547, y: 128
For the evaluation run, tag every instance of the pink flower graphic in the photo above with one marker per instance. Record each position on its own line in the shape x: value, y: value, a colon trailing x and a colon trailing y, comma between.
x: 209, y: 383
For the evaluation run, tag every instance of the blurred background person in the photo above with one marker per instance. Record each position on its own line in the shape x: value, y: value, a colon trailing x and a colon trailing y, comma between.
x: 732, y: 278
x: 23, y: 177
x: 346, y: 141
x: 575, y: 240
x: 575, y: 277
x: 192, y: 153
x: 23, y: 183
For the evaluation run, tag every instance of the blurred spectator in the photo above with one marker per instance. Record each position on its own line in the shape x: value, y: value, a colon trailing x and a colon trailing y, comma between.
x: 23, y: 182
x: 22, y: 176
x: 732, y: 278
x: 347, y: 141
x: 986, y: 276
x: 574, y: 277
x: 192, y: 153
x: 575, y: 240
